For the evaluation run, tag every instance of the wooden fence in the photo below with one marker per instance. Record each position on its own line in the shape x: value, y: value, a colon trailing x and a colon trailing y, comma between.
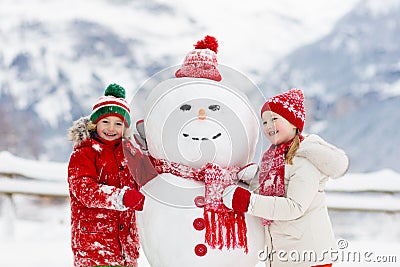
x: 31, y: 178
x: 366, y: 192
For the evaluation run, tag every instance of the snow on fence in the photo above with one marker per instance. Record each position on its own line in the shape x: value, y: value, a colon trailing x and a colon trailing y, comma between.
x: 28, y: 177
x: 23, y: 176
x: 375, y: 191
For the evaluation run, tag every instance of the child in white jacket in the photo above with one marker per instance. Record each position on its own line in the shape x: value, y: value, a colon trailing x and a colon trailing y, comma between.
x: 292, y: 177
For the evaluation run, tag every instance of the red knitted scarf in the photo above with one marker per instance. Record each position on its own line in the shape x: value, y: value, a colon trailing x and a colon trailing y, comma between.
x: 224, y: 227
x: 272, y: 171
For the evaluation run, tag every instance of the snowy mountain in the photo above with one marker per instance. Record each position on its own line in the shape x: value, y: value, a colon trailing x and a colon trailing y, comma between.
x: 352, y: 78
x: 56, y: 57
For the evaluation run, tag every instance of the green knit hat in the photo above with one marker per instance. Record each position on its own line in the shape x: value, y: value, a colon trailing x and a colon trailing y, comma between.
x: 113, y: 103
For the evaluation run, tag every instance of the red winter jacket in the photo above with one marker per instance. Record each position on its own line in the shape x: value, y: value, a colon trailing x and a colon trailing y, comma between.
x: 103, y: 230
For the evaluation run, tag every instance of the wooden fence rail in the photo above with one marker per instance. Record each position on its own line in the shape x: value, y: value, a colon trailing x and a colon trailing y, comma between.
x: 12, y: 185
x: 33, y: 187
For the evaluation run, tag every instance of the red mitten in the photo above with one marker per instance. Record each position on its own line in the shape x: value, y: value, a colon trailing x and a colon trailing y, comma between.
x: 236, y: 198
x: 133, y: 199
x: 241, y: 199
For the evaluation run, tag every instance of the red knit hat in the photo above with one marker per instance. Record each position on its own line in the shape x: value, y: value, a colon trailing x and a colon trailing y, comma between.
x: 113, y: 103
x: 202, y: 61
x: 289, y: 105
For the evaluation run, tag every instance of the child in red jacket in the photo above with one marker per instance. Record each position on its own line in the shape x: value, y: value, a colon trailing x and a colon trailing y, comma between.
x: 103, y: 174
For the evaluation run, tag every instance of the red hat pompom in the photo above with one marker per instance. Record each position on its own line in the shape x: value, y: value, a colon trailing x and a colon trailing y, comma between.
x: 202, y: 61
x: 208, y: 42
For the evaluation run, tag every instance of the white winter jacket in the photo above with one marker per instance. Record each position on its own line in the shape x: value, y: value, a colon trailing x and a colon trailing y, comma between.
x: 301, y: 232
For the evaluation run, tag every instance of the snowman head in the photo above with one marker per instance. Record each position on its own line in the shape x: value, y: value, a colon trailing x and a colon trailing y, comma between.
x: 194, y: 121
x: 199, y: 116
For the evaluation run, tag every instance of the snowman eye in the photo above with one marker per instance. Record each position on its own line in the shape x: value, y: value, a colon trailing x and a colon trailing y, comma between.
x: 214, y: 107
x: 185, y: 107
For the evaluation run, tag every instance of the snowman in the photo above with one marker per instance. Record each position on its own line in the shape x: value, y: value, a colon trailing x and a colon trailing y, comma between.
x: 202, y: 134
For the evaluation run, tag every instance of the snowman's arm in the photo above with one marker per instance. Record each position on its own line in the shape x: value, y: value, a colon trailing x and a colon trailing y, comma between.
x: 140, y: 136
x: 248, y: 172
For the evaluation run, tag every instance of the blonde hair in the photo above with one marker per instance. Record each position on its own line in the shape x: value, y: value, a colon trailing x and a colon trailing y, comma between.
x: 91, y: 127
x: 293, y: 148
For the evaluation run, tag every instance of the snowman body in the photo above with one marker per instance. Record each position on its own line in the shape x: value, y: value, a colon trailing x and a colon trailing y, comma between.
x: 194, y: 122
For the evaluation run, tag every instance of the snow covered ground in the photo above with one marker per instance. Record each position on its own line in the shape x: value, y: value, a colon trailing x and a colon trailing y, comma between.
x: 42, y: 239
x: 365, y: 212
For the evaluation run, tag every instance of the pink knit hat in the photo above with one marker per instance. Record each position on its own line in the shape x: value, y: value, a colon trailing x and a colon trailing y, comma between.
x: 202, y: 61
x: 289, y: 105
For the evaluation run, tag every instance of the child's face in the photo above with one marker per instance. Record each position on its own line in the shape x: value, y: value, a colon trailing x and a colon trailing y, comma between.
x: 110, y: 128
x: 276, y: 128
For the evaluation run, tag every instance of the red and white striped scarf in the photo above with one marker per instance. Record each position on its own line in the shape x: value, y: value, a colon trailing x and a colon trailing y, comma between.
x: 224, y: 227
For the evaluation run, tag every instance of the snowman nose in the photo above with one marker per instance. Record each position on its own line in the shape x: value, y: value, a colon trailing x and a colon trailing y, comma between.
x: 202, y: 114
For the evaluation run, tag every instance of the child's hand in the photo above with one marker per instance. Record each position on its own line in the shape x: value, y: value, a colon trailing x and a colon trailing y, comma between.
x: 236, y: 198
x: 133, y: 199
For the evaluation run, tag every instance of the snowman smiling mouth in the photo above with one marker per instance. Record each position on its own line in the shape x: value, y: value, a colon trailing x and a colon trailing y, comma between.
x: 202, y: 138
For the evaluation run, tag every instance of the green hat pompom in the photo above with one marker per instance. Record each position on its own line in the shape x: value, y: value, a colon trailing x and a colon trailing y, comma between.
x: 115, y: 90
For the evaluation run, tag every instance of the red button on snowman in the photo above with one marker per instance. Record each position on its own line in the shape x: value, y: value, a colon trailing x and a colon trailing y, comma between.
x: 202, y: 133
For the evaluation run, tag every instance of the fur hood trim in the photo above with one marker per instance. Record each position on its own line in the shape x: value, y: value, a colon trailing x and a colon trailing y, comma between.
x: 82, y: 129
x: 328, y: 159
x: 79, y: 131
